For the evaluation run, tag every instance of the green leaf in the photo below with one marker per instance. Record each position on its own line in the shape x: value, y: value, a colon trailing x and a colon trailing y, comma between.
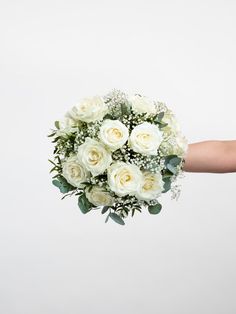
x: 160, y: 115
x: 52, y: 134
x: 169, y: 158
x: 171, y: 163
x: 84, y: 204
x: 167, y: 184
x: 157, y: 118
x: 53, y: 169
x: 167, y: 173
x: 56, y: 139
x: 125, y: 109
x: 162, y: 125
x: 63, y: 185
x: 90, y: 188
x: 105, y: 209
x: 57, y: 124
x: 175, y: 161
x: 108, y: 116
x: 172, y: 168
x: 108, y: 216
x: 154, y: 209
x: 117, y: 218
x: 52, y: 162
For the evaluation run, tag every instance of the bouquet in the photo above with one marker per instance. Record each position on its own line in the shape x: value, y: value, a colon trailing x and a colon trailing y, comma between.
x: 118, y: 153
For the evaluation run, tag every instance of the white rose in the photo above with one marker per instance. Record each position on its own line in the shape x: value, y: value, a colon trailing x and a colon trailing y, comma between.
x: 98, y: 197
x: 124, y: 178
x: 74, y: 172
x: 173, y: 125
x: 176, y: 145
x: 142, y: 104
x: 67, y: 126
x: 113, y: 133
x: 151, y: 187
x: 145, y: 138
x: 94, y: 156
x: 89, y: 110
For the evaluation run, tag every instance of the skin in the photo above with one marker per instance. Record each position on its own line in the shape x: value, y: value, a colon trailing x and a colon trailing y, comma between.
x: 213, y: 156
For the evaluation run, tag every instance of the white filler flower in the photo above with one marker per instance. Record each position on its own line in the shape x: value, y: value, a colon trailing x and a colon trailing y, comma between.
x: 175, y: 145
x: 151, y: 187
x: 142, y: 104
x: 145, y: 138
x: 74, y: 172
x: 124, y: 178
x: 94, y: 156
x: 98, y: 197
x: 113, y: 133
x: 173, y: 126
x: 89, y: 110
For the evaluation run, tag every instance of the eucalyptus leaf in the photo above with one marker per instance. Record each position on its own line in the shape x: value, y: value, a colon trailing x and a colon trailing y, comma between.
x: 167, y: 184
x: 162, y: 125
x: 172, y: 168
x: 172, y: 162
x: 172, y: 159
x: 117, y: 218
x: 63, y: 185
x: 108, y: 216
x: 154, y: 209
x: 167, y: 173
x: 105, y: 209
x: 84, y: 204
x: 175, y: 161
x: 157, y: 118
x: 160, y: 115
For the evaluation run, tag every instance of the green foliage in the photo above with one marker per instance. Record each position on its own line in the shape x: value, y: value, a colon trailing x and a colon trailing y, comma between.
x: 108, y: 216
x: 108, y: 116
x: 160, y: 116
x: 154, y: 209
x: 167, y: 184
x: 52, y: 134
x: 117, y: 218
x: 57, y: 124
x: 84, y: 204
x: 162, y: 125
x: 64, y: 145
x: 125, y: 109
x: 157, y: 119
x: 172, y: 162
x: 88, y: 185
x: 56, y: 167
x: 134, y: 209
x: 105, y: 209
x: 63, y: 185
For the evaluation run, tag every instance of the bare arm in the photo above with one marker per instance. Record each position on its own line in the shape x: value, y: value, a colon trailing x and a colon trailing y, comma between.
x: 211, y: 156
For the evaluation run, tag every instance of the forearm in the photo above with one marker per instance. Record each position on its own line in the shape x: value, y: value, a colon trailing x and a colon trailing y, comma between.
x: 213, y: 156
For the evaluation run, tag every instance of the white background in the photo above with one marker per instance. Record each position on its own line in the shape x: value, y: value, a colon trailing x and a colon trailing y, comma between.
x: 54, y: 259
